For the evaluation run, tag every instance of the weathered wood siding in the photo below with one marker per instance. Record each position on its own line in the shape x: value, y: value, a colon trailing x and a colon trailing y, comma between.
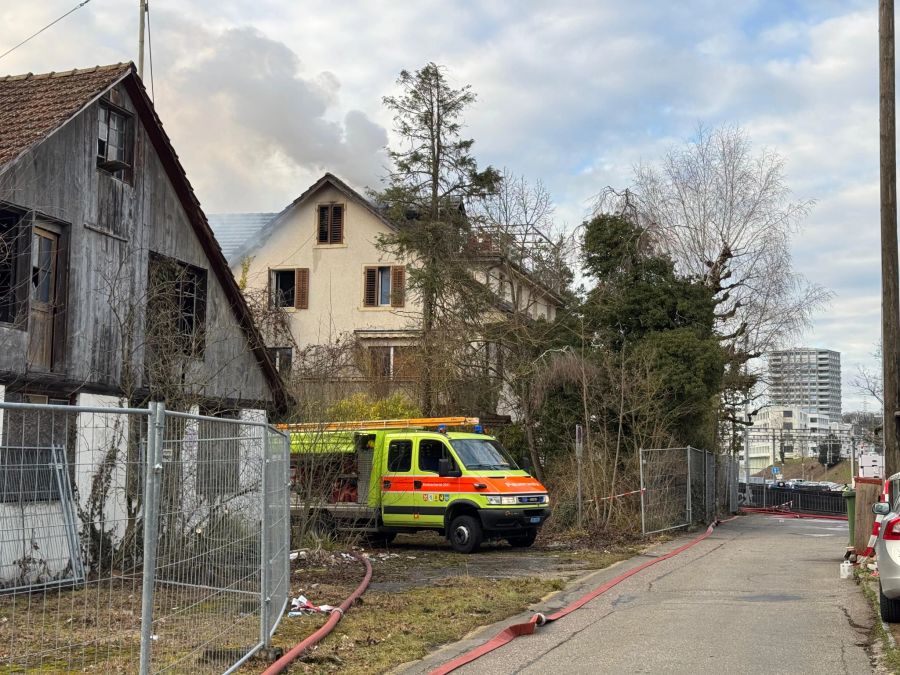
x: 112, y: 227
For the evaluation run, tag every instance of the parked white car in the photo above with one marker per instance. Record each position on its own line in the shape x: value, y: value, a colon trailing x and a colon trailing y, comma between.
x: 887, y: 550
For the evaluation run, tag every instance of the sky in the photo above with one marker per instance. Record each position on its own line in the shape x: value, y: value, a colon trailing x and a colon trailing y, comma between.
x: 260, y: 97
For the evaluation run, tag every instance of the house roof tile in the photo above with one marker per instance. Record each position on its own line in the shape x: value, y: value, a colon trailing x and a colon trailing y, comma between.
x: 33, y: 106
x: 234, y: 230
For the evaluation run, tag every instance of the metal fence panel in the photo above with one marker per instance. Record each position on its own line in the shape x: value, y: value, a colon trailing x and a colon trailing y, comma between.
x: 665, y: 493
x: 683, y: 486
x: 139, y: 538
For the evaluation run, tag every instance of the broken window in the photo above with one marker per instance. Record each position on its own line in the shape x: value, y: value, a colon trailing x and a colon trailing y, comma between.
x: 290, y: 288
x: 384, y: 286
x: 176, y: 306
x: 331, y: 224
x: 115, y: 141
x: 13, y: 288
x: 282, y: 358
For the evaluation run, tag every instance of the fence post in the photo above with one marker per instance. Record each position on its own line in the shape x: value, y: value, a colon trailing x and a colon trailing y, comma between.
x: 690, y: 515
x: 152, y: 473
x: 264, y: 596
x: 641, y: 465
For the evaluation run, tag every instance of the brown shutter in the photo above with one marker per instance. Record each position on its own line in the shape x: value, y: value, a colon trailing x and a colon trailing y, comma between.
x: 301, y: 288
x: 269, y: 295
x: 323, y: 224
x: 370, y: 287
x: 398, y: 286
x: 337, y: 224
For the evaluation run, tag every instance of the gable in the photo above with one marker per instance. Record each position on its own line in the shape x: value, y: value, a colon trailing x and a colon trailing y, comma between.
x: 328, y: 188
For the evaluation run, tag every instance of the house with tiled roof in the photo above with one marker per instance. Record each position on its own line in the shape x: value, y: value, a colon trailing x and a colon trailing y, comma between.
x: 319, y: 262
x: 96, y: 216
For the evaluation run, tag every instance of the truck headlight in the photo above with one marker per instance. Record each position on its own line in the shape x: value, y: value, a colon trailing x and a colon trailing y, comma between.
x: 494, y: 500
x: 509, y: 501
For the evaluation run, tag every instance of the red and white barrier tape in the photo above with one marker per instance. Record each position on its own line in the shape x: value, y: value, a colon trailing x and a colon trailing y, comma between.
x: 624, y: 494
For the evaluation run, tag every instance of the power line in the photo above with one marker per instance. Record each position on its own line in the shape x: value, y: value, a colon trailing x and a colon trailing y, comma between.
x: 79, y: 6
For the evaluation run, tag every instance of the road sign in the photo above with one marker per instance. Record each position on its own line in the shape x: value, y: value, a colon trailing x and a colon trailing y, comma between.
x: 776, y: 470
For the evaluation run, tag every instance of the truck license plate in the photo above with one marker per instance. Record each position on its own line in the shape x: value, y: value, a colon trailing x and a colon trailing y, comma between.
x: 535, y: 519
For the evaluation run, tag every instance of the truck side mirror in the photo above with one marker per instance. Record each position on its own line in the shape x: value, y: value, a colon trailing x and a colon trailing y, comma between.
x: 446, y: 470
x: 881, y: 508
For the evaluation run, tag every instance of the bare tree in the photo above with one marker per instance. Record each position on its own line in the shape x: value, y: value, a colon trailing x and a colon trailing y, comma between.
x: 726, y: 215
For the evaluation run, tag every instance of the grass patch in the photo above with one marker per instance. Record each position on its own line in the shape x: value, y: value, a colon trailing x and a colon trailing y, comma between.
x: 890, y: 653
x: 388, y: 629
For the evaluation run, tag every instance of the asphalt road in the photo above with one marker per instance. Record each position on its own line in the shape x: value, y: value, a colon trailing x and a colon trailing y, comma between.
x: 760, y: 595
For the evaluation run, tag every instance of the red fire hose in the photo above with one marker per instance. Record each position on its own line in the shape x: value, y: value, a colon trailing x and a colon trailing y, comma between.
x: 512, y: 632
x: 775, y: 511
x: 281, y: 664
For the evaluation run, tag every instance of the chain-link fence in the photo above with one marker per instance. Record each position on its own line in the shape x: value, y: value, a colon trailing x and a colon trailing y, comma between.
x: 139, y: 539
x: 683, y: 486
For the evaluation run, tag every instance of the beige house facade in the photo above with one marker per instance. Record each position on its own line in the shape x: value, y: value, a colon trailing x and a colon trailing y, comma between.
x: 318, y: 261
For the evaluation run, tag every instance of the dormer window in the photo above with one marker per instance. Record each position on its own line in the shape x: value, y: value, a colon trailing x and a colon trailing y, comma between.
x: 331, y: 223
x: 115, y: 140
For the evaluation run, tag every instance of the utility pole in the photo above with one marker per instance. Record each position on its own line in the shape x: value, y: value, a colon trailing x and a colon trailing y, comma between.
x: 142, y: 12
x: 890, y: 282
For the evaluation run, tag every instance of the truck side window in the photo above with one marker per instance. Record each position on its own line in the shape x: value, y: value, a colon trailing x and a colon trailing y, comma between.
x: 430, y: 453
x: 399, y: 457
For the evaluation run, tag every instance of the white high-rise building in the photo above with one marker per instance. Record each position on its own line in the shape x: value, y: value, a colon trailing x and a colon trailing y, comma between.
x: 805, y: 378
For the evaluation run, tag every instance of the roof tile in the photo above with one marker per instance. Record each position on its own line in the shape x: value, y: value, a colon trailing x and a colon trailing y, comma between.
x: 32, y: 106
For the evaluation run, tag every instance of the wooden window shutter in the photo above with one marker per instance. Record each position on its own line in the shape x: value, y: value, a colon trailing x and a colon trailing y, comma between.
x: 301, y: 288
x: 370, y: 287
x: 398, y: 286
x: 323, y: 224
x: 337, y: 224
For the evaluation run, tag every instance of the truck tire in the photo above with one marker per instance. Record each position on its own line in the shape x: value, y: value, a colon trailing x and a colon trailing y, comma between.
x: 465, y: 534
x: 890, y: 609
x: 524, y: 540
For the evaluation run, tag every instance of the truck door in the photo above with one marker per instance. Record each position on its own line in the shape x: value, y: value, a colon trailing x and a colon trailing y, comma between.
x: 397, y: 499
x: 433, y: 492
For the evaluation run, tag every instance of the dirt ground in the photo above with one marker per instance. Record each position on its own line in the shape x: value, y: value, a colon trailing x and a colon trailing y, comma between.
x: 423, y: 595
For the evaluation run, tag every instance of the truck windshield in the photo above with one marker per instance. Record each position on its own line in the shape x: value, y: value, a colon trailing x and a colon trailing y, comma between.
x: 481, y: 453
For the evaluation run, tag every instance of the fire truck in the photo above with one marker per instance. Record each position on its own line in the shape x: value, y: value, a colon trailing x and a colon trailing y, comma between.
x: 389, y: 476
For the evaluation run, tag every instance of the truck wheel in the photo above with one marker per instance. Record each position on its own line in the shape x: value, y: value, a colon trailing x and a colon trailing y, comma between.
x: 524, y: 540
x: 465, y: 534
x: 890, y: 609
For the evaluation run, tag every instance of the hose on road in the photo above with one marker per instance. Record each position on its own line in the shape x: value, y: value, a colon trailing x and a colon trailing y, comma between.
x: 334, y: 617
x: 774, y: 511
x: 510, y: 633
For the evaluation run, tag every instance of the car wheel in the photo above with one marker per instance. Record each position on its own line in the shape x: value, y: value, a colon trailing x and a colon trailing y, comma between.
x: 890, y: 609
x: 524, y: 540
x: 465, y: 534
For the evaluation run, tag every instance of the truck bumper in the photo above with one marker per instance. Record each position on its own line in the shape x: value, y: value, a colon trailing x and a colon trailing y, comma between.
x: 510, y: 520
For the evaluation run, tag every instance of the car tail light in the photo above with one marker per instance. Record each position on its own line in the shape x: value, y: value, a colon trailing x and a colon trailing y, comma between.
x: 892, y: 530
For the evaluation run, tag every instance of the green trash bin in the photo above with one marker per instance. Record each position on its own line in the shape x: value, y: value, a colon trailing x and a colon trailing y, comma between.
x: 850, y: 496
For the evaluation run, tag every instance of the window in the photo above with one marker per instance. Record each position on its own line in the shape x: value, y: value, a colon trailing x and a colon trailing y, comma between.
x: 115, y: 141
x: 13, y: 295
x: 282, y: 357
x: 392, y: 362
x: 290, y: 288
x: 331, y: 224
x: 384, y: 286
x: 788, y: 413
x: 788, y: 425
x: 399, y: 458
x: 431, y: 451
x: 176, y: 306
